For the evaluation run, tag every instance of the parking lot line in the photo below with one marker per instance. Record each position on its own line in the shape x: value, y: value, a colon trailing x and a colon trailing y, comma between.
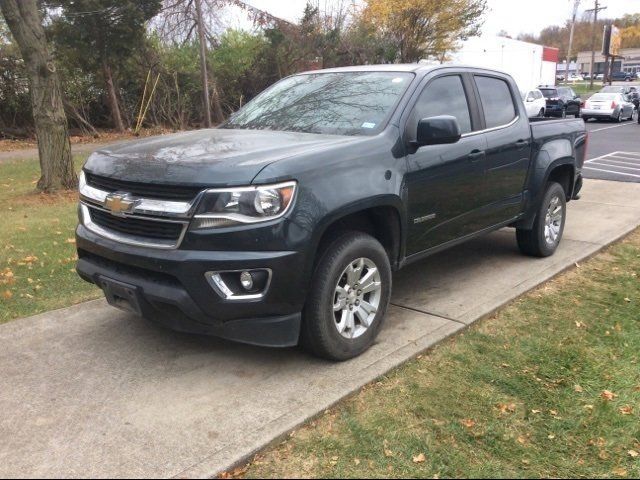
x: 622, y: 162
x: 625, y: 157
x: 607, y: 128
x: 635, y: 169
x: 612, y: 171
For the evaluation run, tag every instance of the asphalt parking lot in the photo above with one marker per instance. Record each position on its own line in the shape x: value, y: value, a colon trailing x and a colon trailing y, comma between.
x: 613, y: 152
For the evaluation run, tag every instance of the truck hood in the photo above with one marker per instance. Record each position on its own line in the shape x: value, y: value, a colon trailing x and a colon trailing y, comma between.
x: 212, y: 157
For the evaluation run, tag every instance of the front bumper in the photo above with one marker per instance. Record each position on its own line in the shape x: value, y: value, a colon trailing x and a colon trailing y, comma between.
x: 170, y: 288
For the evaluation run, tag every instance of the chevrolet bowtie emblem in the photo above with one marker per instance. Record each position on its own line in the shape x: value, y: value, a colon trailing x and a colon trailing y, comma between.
x: 119, y: 203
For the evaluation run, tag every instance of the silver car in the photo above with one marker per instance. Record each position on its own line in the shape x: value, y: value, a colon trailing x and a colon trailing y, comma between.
x: 609, y: 106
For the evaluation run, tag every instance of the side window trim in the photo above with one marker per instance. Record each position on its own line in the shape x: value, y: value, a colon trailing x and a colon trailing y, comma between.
x: 481, y: 109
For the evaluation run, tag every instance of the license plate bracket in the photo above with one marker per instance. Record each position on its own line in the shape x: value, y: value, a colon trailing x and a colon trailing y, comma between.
x: 121, y: 295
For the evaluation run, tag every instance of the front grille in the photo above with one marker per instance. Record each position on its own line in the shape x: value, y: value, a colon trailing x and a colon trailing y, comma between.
x: 150, y: 229
x: 146, y: 190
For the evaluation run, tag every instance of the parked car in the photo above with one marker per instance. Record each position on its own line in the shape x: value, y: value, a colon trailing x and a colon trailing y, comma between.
x: 534, y: 102
x: 621, y: 77
x: 599, y: 76
x: 586, y: 76
x: 608, y: 106
x: 283, y: 225
x: 631, y: 91
x: 560, y: 78
x: 576, y: 78
x: 561, y: 101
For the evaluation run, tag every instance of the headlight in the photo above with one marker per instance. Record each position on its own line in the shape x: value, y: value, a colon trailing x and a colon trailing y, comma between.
x: 233, y: 206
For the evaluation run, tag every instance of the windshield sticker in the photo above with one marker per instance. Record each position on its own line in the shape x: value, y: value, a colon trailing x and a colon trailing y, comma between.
x: 368, y: 125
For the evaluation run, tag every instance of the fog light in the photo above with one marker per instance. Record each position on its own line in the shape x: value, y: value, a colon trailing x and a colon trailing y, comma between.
x: 246, y: 280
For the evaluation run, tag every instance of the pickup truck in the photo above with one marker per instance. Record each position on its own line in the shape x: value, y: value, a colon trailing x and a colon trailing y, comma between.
x: 283, y: 226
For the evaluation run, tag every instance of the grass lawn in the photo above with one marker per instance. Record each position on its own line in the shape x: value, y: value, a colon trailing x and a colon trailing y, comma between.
x: 583, y: 88
x: 37, y: 249
x: 548, y: 387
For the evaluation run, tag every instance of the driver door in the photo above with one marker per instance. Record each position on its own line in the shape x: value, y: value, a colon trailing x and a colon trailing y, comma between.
x: 444, y: 182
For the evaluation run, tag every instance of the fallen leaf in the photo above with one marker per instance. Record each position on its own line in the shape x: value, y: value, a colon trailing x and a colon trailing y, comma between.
x: 356, y: 461
x: 7, y: 294
x: 71, y: 240
x: 553, y: 412
x: 580, y: 324
x: 534, y: 411
x: 627, y: 299
x: 588, y: 407
x: 506, y: 407
x: 620, y: 472
x: 468, y: 422
x: 551, y: 436
x: 626, y: 410
x: 420, y: 458
x: 633, y: 454
x: 578, y: 388
x: 608, y: 395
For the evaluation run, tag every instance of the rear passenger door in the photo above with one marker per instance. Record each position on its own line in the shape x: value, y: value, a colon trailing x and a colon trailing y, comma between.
x: 508, y: 137
x: 444, y: 182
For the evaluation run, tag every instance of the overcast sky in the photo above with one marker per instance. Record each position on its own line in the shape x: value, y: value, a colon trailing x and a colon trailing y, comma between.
x: 514, y: 16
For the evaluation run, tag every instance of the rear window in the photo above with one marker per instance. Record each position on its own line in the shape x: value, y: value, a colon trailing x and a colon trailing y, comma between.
x: 549, y: 92
x: 603, y: 97
x: 496, y: 99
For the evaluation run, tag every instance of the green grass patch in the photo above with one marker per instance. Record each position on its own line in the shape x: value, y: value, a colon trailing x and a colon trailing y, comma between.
x: 37, y: 249
x: 583, y: 88
x: 548, y: 387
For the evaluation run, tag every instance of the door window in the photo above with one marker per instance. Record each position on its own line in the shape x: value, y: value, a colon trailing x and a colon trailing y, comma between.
x: 497, y: 101
x: 441, y: 96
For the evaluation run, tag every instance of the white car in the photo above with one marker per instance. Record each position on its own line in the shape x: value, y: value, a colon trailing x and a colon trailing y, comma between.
x: 534, y: 102
x: 576, y: 78
x: 608, y: 106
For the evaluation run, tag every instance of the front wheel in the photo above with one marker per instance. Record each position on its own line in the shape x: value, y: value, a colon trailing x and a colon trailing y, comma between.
x: 348, y: 300
x: 545, y: 236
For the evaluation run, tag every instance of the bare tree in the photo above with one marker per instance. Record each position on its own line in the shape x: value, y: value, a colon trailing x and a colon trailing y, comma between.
x: 56, y: 164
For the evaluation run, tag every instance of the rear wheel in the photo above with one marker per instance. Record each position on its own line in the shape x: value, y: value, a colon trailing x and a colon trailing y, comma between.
x: 545, y: 236
x: 349, y: 296
x: 578, y: 114
x: 619, y: 118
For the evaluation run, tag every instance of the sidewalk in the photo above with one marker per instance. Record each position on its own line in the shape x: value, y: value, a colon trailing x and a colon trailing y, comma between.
x: 90, y: 391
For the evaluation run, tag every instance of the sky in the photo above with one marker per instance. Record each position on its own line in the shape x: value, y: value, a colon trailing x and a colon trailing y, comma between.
x: 514, y: 16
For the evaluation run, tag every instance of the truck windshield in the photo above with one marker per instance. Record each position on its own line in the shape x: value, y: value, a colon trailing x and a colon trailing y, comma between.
x: 345, y: 103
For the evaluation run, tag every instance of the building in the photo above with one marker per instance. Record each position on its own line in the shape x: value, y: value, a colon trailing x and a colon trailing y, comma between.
x: 630, y: 61
x: 529, y: 64
x: 561, y: 69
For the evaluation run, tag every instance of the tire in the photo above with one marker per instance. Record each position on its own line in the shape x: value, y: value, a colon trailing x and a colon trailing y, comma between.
x: 321, y: 323
x: 535, y: 242
x: 619, y: 118
x: 564, y: 113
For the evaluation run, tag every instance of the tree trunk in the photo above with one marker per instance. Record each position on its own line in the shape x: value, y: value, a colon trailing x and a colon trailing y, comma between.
x: 113, y: 98
x: 56, y: 163
x: 203, y: 65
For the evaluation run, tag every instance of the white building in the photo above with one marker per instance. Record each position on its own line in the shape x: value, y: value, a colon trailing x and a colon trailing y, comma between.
x: 529, y: 64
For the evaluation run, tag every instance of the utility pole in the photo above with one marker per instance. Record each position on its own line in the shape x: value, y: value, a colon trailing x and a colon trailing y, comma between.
x: 576, y: 4
x: 203, y: 65
x: 595, y: 11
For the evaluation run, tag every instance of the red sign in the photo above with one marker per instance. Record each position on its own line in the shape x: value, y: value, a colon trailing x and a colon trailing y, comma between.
x: 550, y: 54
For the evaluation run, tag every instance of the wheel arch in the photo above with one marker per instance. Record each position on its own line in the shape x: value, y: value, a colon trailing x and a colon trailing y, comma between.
x: 382, y: 218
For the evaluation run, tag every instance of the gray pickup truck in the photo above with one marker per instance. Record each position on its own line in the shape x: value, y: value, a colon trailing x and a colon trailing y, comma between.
x: 283, y: 226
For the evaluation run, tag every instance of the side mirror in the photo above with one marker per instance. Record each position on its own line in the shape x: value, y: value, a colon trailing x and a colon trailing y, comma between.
x: 437, y: 130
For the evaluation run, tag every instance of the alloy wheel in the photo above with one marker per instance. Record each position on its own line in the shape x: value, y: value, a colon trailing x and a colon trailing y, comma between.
x: 357, y: 298
x: 553, y: 220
